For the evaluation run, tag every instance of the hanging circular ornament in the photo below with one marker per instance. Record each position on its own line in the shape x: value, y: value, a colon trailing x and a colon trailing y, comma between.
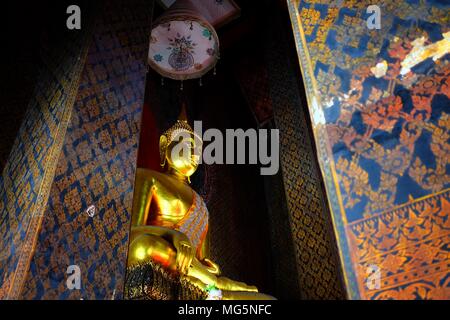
x: 183, y: 45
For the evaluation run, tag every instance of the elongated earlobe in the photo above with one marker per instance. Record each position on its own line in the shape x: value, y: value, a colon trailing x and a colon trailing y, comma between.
x: 162, y: 150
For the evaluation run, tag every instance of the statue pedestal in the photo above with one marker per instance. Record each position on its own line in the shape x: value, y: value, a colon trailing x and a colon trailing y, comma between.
x: 149, y: 281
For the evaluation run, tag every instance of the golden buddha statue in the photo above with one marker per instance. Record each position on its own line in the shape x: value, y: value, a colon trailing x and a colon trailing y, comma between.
x: 170, y: 220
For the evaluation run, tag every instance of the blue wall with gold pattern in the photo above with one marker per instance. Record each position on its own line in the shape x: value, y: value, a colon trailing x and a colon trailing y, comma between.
x: 380, y: 110
x: 76, y: 149
x: 29, y: 171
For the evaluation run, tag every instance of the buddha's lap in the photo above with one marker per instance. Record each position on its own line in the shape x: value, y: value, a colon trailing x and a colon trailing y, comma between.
x: 146, y: 246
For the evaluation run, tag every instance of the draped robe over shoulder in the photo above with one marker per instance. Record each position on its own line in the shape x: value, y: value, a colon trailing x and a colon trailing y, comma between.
x: 194, y: 224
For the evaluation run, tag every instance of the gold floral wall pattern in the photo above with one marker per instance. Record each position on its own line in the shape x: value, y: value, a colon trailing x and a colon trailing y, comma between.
x: 380, y: 108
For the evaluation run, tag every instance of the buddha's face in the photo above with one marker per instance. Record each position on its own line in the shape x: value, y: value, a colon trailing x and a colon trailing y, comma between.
x: 183, y: 154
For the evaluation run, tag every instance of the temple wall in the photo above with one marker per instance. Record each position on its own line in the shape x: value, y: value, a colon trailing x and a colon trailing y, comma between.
x: 313, y: 244
x: 379, y: 106
x: 29, y: 170
x: 97, y: 164
x: 76, y: 147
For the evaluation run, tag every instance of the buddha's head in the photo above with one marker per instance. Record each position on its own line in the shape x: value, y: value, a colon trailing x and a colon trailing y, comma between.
x: 180, y: 148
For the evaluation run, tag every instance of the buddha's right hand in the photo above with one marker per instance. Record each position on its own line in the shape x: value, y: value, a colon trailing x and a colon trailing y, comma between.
x: 185, y: 254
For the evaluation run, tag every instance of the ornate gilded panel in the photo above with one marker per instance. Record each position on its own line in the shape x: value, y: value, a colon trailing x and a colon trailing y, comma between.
x: 379, y: 105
